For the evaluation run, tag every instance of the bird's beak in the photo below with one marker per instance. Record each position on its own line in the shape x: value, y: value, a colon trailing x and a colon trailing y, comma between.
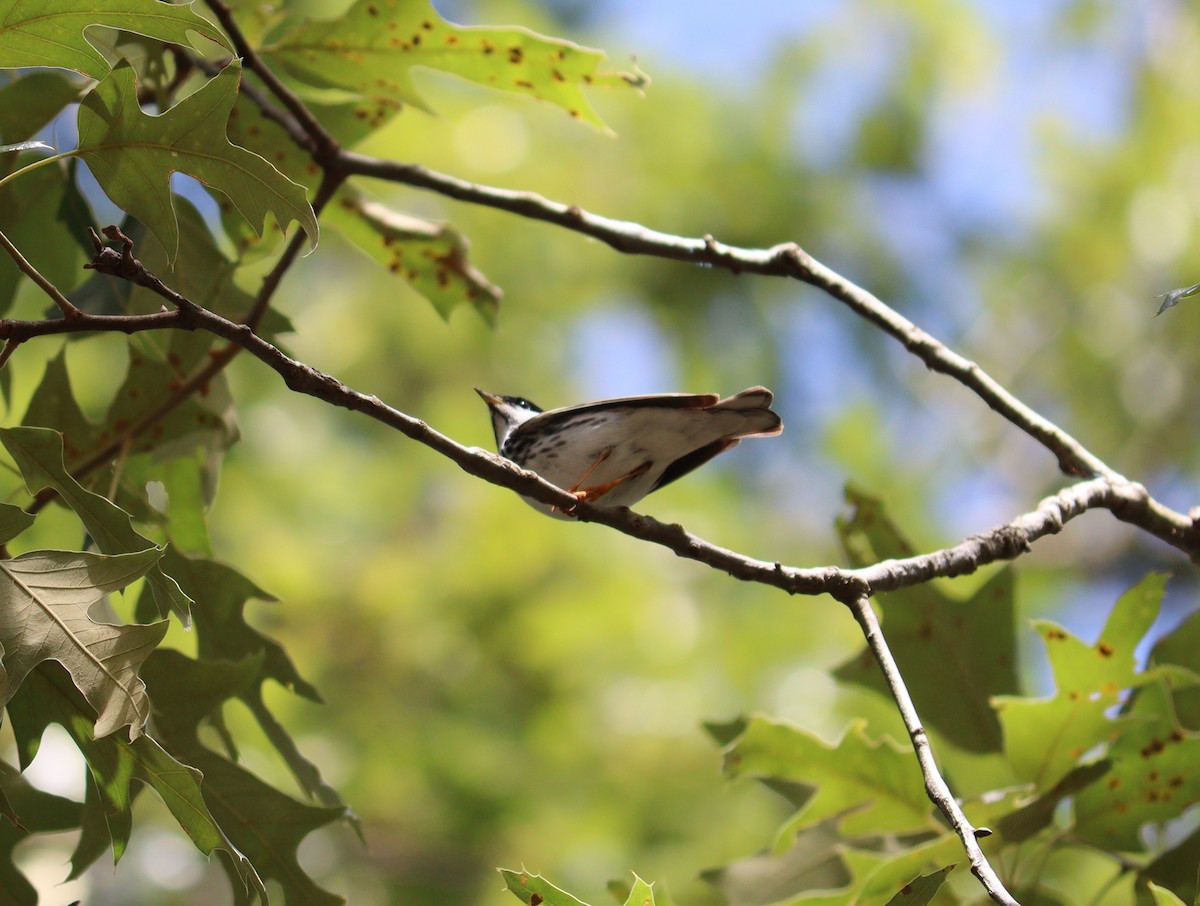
x: 490, y: 398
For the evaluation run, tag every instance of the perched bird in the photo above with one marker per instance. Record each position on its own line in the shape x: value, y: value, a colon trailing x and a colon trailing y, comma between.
x: 615, y: 452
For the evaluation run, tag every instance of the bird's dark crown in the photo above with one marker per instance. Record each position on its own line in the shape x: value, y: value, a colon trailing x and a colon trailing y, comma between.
x: 522, y: 403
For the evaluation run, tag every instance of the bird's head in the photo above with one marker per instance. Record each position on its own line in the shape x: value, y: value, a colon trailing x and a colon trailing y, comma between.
x: 507, y: 413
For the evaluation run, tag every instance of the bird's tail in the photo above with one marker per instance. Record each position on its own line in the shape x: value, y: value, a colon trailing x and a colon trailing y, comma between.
x: 753, y: 406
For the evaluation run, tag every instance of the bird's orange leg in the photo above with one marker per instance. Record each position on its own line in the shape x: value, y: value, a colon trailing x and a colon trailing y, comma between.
x: 595, y: 493
x: 574, y: 489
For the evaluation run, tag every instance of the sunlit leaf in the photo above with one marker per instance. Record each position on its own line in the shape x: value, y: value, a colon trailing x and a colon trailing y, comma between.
x: 133, y: 155
x: 1181, y: 647
x: 920, y: 890
x: 44, y: 600
x: 536, y: 890
x: 431, y: 257
x: 52, y: 32
x: 1045, y: 738
x: 1036, y: 815
x: 876, y: 777
x: 1153, y: 776
x: 372, y: 47
x: 1164, y: 897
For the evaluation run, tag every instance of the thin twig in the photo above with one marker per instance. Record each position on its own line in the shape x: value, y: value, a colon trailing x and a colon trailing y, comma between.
x: 325, y: 145
x: 69, y: 311
x: 935, y: 785
x: 10, y: 347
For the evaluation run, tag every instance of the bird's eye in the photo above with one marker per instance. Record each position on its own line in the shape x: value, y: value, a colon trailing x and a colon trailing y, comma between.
x: 525, y: 404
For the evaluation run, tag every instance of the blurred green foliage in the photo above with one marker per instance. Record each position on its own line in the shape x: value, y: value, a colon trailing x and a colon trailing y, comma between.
x: 502, y: 689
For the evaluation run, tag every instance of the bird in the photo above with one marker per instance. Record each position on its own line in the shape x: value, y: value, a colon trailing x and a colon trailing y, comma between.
x: 615, y: 452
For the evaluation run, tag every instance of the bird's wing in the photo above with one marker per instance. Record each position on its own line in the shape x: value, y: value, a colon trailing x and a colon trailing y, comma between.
x: 551, y: 418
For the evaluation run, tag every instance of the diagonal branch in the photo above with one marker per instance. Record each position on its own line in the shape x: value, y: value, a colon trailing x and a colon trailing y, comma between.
x: 1128, y: 501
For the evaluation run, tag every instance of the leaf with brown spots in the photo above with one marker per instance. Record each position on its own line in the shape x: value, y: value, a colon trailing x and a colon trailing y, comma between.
x: 431, y: 257
x: 536, y: 890
x: 374, y: 45
x: 1154, y: 769
x: 1045, y: 738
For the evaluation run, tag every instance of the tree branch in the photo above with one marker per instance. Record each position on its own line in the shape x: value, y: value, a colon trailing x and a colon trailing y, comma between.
x: 935, y: 785
x: 1127, y: 501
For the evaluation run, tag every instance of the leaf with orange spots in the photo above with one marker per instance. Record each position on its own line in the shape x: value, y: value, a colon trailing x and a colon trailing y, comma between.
x: 372, y: 47
x: 431, y: 257
x: 1153, y: 778
x: 1045, y: 738
x: 536, y: 890
x: 954, y: 653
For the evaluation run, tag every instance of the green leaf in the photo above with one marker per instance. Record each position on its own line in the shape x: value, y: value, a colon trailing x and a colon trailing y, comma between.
x: 38, y: 453
x: 1182, y: 647
x: 44, y: 597
x: 955, y: 654
x: 641, y: 894
x: 51, y: 32
x: 261, y: 821
x: 49, y: 696
x: 431, y: 257
x: 534, y: 889
x: 373, y: 46
x: 31, y: 101
x: 880, y: 781
x: 1177, y: 868
x: 1035, y: 816
x: 133, y: 155
x: 54, y: 406
x: 920, y: 890
x: 13, y: 521
x: 1164, y: 897
x: 40, y: 213
x: 221, y: 594
x: 1153, y: 777
x: 816, y: 860
x: 1046, y: 738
